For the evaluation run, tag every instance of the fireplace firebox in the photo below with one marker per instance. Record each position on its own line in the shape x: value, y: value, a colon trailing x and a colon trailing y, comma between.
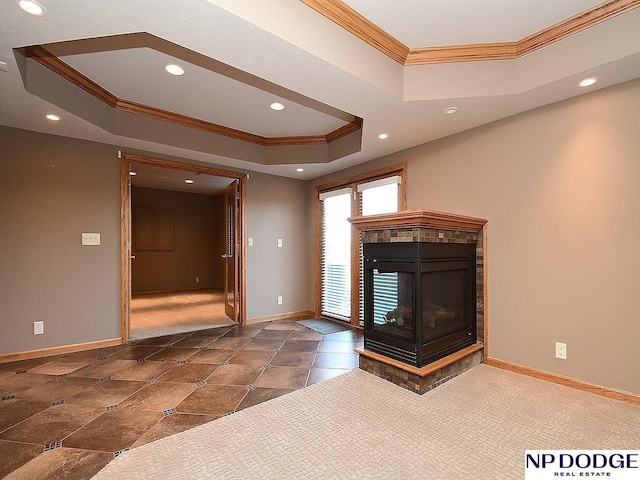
x: 419, y: 300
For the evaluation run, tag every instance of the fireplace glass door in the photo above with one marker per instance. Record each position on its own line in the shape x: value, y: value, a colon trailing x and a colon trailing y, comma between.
x: 420, y: 300
x: 393, y: 292
x: 443, y: 303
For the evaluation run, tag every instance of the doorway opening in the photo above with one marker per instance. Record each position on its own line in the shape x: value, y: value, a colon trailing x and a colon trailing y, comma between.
x: 182, y: 261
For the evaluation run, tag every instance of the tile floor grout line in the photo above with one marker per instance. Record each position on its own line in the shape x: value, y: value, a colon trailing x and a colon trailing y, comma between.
x: 20, y: 442
x: 82, y: 426
x: 24, y: 419
x: 295, y: 358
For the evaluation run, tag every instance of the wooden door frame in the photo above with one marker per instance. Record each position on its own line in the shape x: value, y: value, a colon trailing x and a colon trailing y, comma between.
x: 125, y: 230
x: 231, y: 189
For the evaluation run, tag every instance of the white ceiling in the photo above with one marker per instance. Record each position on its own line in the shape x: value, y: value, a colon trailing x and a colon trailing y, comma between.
x: 289, y: 44
x: 431, y: 23
x: 211, y: 96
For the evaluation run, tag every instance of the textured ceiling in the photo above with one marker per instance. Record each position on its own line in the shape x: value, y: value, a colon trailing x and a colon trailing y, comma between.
x: 294, y: 47
x: 428, y: 23
x: 212, y: 96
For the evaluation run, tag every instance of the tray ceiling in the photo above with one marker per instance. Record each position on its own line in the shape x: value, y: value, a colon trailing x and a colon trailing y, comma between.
x: 345, y: 78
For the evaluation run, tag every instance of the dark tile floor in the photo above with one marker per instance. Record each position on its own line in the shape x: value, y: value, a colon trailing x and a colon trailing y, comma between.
x: 66, y: 417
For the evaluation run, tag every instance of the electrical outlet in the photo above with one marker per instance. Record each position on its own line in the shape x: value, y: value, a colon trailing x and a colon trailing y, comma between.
x: 279, y: 243
x: 561, y: 350
x: 280, y: 300
x: 250, y: 241
x: 197, y: 279
x: 90, y: 239
x: 38, y: 328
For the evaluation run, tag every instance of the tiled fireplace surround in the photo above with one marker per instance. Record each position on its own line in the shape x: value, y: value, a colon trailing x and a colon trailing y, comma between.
x: 432, y: 227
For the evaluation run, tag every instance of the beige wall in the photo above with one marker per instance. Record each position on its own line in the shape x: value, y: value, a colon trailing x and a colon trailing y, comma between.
x: 199, y: 243
x: 45, y: 274
x: 52, y: 189
x: 560, y: 187
x: 277, y: 208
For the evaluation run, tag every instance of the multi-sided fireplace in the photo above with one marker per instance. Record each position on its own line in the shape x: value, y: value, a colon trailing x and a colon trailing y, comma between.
x: 424, y: 296
x: 419, y: 300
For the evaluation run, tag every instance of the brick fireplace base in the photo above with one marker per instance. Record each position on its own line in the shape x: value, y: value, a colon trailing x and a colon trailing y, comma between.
x: 421, y: 380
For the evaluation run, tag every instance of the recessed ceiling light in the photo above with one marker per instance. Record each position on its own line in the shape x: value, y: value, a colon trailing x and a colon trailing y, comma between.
x: 299, y: 169
x: 587, y: 82
x: 277, y: 106
x: 450, y: 110
x: 32, y: 8
x: 382, y: 136
x: 53, y: 118
x: 133, y: 174
x: 188, y: 181
x: 174, y: 69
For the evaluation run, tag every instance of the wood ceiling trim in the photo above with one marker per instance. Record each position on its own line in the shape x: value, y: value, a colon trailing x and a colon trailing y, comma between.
x: 575, y: 24
x: 57, y: 66
x: 367, y: 31
x: 287, y: 141
x: 462, y: 53
x: 344, y: 130
x: 353, y: 22
x: 186, y: 121
x: 318, y: 139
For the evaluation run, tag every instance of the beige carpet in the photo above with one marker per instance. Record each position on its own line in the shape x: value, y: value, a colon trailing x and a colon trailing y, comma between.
x: 159, y: 314
x: 357, y: 426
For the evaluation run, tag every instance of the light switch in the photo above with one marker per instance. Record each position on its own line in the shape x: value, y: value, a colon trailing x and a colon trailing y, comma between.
x: 279, y: 243
x: 250, y: 241
x: 90, y: 239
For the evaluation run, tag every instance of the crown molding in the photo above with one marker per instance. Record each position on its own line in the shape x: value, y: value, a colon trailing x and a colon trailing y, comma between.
x: 575, y: 24
x: 462, y: 53
x: 367, y: 31
x: 57, y: 66
x: 344, y: 130
x: 343, y: 15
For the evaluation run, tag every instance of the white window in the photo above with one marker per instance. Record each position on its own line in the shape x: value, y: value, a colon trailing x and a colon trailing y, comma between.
x: 336, y: 253
x: 340, y: 246
x: 380, y: 196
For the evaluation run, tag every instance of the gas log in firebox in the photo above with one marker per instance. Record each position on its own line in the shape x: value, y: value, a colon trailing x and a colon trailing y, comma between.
x: 424, y: 296
x: 419, y: 300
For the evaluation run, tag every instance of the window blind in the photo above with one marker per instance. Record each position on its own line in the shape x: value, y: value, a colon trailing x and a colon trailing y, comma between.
x: 375, y: 197
x: 385, y: 286
x: 336, y: 253
x: 394, y: 180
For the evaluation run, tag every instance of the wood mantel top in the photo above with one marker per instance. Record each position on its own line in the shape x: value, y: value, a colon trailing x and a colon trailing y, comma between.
x: 418, y: 219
